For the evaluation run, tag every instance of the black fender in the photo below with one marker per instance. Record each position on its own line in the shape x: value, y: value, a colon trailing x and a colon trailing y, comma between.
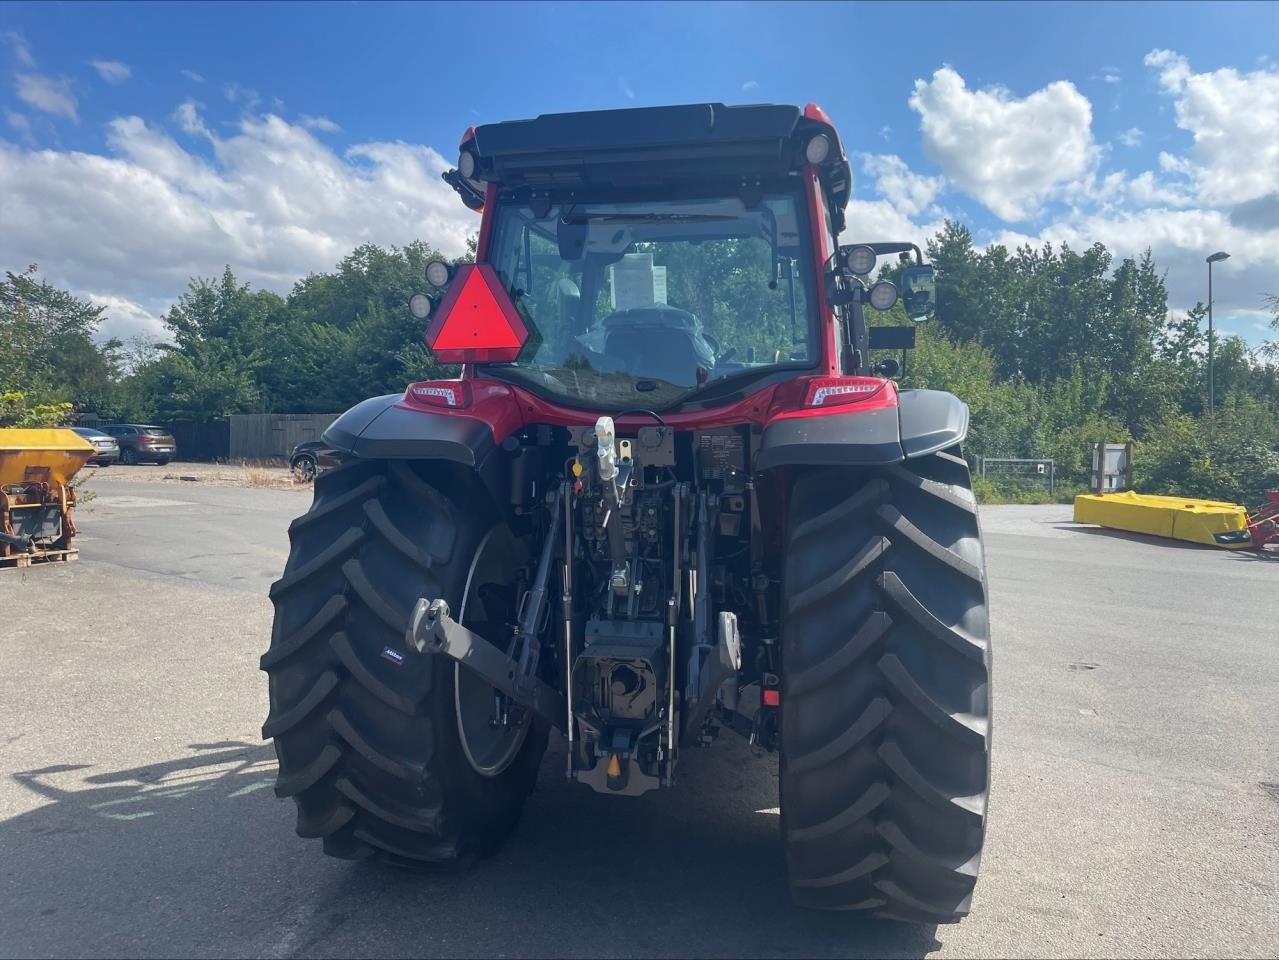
x: 380, y: 429
x: 923, y: 422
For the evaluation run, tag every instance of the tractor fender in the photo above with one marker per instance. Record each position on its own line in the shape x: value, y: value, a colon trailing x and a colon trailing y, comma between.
x: 931, y: 420
x: 923, y: 422
x: 382, y: 428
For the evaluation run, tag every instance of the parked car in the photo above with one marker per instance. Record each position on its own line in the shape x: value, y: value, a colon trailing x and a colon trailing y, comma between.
x: 311, y: 456
x: 106, y: 445
x: 140, y: 441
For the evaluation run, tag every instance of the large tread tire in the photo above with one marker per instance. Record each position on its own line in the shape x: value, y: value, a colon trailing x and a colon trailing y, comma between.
x: 885, y: 726
x: 369, y: 748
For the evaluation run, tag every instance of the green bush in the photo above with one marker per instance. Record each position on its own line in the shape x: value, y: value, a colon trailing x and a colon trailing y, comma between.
x: 989, y: 490
x: 15, y: 411
x: 1232, y: 459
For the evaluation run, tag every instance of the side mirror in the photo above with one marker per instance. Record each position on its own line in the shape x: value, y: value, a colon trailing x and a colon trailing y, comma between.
x: 918, y: 291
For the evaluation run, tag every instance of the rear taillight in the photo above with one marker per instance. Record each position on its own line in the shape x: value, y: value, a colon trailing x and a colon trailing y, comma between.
x: 145, y: 438
x: 834, y: 391
x: 455, y: 394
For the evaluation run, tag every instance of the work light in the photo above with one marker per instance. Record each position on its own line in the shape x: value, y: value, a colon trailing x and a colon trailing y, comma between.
x: 860, y: 260
x: 883, y: 295
x: 437, y: 273
x: 420, y: 306
x: 817, y: 149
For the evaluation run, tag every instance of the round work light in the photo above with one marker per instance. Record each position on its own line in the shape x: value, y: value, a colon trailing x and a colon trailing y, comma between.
x: 437, y: 273
x: 817, y: 149
x: 883, y: 295
x: 860, y: 260
x: 420, y: 306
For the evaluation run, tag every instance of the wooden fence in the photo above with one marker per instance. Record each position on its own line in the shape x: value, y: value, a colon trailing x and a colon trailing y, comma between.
x: 261, y: 436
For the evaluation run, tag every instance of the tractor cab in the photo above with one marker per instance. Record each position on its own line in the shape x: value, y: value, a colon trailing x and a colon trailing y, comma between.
x: 661, y: 257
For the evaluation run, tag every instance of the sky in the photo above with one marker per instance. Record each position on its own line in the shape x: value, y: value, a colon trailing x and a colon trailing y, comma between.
x: 143, y: 144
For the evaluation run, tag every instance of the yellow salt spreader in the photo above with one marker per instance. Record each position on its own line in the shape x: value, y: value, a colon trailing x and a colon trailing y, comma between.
x: 36, y: 497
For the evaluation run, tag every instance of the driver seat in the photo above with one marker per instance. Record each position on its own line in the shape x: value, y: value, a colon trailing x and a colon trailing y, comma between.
x: 661, y: 342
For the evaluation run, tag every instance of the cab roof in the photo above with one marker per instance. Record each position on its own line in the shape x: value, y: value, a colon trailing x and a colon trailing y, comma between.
x: 651, y: 145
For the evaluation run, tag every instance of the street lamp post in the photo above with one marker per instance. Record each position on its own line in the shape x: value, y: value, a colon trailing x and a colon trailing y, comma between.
x: 1216, y: 257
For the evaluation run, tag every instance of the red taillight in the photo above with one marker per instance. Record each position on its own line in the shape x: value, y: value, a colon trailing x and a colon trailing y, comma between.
x: 772, y: 697
x: 146, y: 438
x: 834, y: 391
x: 455, y: 394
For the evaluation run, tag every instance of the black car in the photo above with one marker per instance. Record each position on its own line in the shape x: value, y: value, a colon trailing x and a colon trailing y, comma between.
x: 108, y: 451
x: 311, y: 456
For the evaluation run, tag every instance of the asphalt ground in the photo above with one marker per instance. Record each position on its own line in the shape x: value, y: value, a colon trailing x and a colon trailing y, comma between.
x: 1135, y: 802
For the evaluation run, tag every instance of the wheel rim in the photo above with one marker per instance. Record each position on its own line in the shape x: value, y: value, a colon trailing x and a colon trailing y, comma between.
x: 488, y: 749
x: 305, y: 469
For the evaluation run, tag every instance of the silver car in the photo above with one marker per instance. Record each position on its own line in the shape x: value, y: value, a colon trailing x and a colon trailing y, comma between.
x: 108, y: 450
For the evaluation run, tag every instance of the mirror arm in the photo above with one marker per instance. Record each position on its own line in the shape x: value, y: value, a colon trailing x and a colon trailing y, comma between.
x: 857, y: 349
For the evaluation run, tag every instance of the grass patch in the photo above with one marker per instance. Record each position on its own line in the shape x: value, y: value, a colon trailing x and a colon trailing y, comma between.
x: 991, y: 491
x: 261, y: 477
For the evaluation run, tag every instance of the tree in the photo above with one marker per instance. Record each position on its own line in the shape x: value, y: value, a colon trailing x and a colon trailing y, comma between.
x: 1271, y: 347
x: 46, y: 344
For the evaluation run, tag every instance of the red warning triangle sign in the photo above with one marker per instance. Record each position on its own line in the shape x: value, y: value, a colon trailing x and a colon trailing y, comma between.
x: 476, y: 321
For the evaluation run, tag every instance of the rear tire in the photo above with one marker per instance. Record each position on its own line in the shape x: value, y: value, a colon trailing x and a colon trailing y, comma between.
x: 128, y: 457
x: 885, y: 736
x: 366, y: 731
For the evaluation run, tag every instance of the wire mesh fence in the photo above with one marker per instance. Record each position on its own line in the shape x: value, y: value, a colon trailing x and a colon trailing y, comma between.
x: 1020, y: 471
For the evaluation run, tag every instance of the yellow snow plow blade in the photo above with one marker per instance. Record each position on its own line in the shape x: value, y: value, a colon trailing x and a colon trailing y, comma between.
x: 48, y: 456
x: 1179, y: 518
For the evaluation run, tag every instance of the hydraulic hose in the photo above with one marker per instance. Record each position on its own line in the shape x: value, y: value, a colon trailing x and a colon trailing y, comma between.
x: 22, y: 543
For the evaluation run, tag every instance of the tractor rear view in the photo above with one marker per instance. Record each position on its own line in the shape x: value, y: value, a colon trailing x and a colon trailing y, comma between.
x: 667, y: 495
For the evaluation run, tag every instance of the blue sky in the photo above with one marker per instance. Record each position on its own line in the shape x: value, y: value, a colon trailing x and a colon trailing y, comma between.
x: 140, y: 144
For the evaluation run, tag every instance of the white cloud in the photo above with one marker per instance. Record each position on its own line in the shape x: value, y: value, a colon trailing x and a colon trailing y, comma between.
x: 910, y: 193
x: 243, y: 95
x: 323, y: 124
x: 21, y: 50
x: 1233, y: 118
x: 1130, y: 137
x: 187, y: 116
x: 273, y: 202
x: 1173, y: 69
x: 125, y: 319
x: 750, y: 85
x: 50, y: 94
x: 1010, y: 153
x: 1110, y: 75
x: 625, y: 87
x: 1147, y: 191
x: 18, y: 121
x: 192, y: 76
x: 112, y: 71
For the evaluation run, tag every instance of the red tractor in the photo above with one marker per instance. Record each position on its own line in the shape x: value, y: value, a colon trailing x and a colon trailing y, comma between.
x: 666, y: 494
